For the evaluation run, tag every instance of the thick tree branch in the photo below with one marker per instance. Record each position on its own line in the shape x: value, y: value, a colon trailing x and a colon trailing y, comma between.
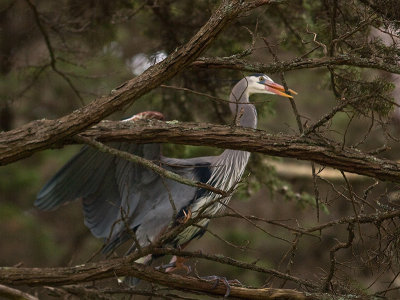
x: 38, y: 135
x: 126, y: 267
x: 198, y: 134
x: 295, y: 64
x: 123, y: 267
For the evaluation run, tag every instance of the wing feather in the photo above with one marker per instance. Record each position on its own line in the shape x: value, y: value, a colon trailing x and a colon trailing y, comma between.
x: 79, y: 177
x: 110, y: 186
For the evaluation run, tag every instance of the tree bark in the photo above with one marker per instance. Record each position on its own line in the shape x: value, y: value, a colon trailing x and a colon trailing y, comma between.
x: 200, y: 134
x: 295, y: 64
x: 40, y: 134
x: 124, y: 267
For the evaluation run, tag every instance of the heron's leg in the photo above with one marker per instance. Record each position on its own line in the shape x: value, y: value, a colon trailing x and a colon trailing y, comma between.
x: 226, y: 282
x: 187, y: 216
x: 176, y: 263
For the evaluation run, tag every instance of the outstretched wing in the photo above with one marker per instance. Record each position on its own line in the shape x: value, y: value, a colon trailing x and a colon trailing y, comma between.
x: 119, y: 196
x: 104, y: 182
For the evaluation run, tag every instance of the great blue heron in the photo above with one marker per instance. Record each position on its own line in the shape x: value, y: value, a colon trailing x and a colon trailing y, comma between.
x: 120, y: 197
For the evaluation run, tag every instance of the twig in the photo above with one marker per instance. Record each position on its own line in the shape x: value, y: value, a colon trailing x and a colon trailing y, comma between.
x: 325, y: 49
x: 362, y: 219
x: 53, y: 59
x: 272, y: 222
x: 14, y: 294
x: 171, y: 200
x: 148, y: 164
x: 332, y: 113
x: 351, y: 194
x: 254, y: 224
x: 316, y: 190
x: 332, y: 252
x: 217, y: 99
x: 131, y: 232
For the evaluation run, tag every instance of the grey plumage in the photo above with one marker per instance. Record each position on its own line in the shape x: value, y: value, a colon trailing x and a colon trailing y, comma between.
x: 117, y: 194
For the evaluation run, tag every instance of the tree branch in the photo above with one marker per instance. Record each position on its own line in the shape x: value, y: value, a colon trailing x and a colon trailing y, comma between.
x: 148, y: 164
x: 125, y: 267
x: 13, y: 294
x: 40, y: 134
x: 200, y: 134
x: 295, y: 64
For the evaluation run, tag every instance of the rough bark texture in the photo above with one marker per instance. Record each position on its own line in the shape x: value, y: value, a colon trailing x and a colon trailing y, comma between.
x: 123, y: 267
x: 296, y: 64
x: 346, y: 159
x: 38, y: 135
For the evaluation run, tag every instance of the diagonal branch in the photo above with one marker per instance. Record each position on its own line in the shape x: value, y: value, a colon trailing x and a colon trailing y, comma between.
x: 148, y: 164
x: 50, y: 49
x: 40, y: 134
x: 10, y: 293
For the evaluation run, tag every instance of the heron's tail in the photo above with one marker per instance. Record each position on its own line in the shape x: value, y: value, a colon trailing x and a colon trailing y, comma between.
x: 131, y: 281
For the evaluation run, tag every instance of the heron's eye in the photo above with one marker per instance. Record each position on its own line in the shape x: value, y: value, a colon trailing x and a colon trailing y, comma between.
x: 261, y: 78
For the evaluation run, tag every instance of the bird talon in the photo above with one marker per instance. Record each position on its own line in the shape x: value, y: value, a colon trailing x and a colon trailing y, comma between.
x: 175, y: 263
x: 226, y: 282
x: 165, y: 267
x: 186, y: 217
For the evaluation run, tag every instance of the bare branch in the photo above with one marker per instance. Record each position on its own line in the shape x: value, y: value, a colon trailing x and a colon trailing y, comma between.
x: 50, y: 49
x: 295, y: 64
x: 125, y: 266
x: 304, y: 148
x: 48, y: 132
x: 147, y: 164
x: 333, y: 251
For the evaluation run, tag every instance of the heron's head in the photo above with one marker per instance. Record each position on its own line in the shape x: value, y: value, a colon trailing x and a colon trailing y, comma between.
x: 262, y: 84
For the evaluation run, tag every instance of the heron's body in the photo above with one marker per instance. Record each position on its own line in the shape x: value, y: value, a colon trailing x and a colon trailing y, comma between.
x: 120, y: 196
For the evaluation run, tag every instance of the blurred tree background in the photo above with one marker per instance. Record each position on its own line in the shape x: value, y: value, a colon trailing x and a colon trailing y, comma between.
x: 57, y: 56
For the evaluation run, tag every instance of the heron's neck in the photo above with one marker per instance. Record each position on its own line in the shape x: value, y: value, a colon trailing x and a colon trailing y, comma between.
x: 241, y: 108
x: 233, y: 162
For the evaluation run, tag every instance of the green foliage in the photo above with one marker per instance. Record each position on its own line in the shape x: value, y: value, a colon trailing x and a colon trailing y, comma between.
x: 369, y: 96
x: 94, y: 43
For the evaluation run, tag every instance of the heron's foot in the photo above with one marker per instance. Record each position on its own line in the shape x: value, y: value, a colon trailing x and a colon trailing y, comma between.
x: 186, y: 216
x: 176, y: 263
x: 226, y: 282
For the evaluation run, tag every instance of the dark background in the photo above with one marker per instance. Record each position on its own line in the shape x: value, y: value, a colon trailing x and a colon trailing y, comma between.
x: 94, y: 46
